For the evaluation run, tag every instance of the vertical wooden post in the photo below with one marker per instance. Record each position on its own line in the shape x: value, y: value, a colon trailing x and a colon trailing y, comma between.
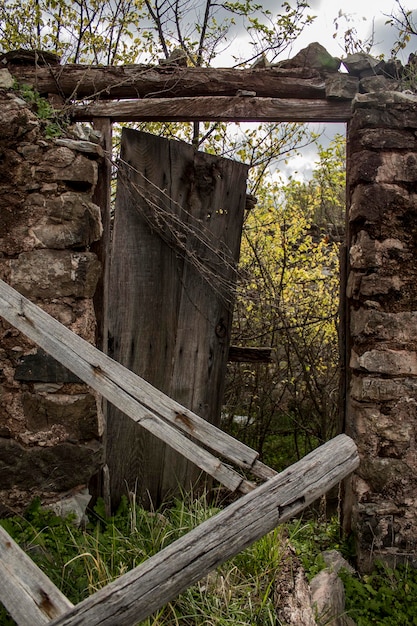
x: 102, y: 197
x: 99, y: 484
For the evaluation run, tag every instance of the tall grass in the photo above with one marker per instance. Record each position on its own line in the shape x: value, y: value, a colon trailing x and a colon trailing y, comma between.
x: 239, y: 593
x: 81, y: 561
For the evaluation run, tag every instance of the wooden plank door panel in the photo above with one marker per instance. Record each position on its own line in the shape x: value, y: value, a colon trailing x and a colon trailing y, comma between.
x: 176, y: 240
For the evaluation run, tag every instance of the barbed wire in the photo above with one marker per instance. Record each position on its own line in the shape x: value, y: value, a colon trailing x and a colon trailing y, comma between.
x: 182, y: 231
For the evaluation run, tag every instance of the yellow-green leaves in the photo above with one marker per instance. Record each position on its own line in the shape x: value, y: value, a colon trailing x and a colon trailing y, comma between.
x: 81, y: 31
x: 288, y: 299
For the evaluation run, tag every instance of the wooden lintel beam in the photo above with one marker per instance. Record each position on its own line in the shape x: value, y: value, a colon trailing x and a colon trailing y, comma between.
x: 216, y: 108
x: 75, y: 82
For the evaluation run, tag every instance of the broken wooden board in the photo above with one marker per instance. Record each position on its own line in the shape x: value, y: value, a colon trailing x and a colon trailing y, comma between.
x: 25, y: 591
x: 141, y: 401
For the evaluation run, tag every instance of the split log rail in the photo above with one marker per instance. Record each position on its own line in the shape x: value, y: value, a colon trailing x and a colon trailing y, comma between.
x: 31, y: 598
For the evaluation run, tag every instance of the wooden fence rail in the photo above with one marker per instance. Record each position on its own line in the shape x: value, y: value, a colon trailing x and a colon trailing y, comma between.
x: 144, y: 404
x: 137, y: 594
x: 30, y: 596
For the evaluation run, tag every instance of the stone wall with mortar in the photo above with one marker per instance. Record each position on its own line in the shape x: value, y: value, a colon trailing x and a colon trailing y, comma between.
x: 382, y: 325
x: 50, y: 422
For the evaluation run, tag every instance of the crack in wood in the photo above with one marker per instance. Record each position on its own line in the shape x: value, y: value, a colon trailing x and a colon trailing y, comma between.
x: 185, y: 420
x: 285, y: 509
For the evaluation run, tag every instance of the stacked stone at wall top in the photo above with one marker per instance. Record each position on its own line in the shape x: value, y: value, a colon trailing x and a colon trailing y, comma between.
x: 50, y: 422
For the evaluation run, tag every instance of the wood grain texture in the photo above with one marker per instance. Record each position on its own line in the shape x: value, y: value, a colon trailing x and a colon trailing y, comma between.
x: 25, y: 591
x: 144, y: 404
x: 139, y: 81
x: 176, y: 240
x: 102, y: 197
x: 217, y: 108
x: 145, y: 589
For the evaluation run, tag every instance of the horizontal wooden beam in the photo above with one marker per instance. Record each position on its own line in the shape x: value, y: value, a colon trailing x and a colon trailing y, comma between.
x: 239, y: 354
x: 140, y: 81
x: 148, y: 587
x: 216, y: 108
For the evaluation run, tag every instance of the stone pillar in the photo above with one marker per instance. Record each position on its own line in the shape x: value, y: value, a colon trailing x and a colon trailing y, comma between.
x: 381, y: 403
x: 50, y: 422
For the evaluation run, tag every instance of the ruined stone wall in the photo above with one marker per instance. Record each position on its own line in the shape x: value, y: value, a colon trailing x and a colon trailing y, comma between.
x: 382, y: 312
x: 50, y: 424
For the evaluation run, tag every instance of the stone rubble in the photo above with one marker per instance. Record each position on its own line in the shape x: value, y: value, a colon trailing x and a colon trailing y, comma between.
x: 318, y: 603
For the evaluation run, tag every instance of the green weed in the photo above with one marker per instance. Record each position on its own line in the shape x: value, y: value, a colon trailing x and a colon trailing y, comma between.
x: 385, y: 597
x: 54, y: 122
x: 239, y: 593
x: 312, y: 537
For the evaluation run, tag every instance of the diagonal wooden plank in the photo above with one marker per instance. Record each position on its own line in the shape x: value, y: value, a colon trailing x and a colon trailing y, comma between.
x: 136, y: 595
x: 137, y: 387
x: 25, y: 591
x: 139, y: 400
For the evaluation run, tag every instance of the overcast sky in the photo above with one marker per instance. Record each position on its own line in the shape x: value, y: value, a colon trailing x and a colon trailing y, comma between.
x: 368, y: 17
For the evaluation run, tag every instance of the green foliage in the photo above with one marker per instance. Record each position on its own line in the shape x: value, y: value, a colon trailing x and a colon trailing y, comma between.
x: 81, y: 561
x: 271, y: 34
x: 91, y: 31
x: 49, y: 541
x: 287, y: 299
x: 311, y: 537
x: 81, y: 32
x: 54, y: 121
x: 403, y: 20
x: 240, y: 592
x: 385, y: 597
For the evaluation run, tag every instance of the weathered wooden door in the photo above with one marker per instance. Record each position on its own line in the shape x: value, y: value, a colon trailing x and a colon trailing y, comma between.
x: 176, y: 240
